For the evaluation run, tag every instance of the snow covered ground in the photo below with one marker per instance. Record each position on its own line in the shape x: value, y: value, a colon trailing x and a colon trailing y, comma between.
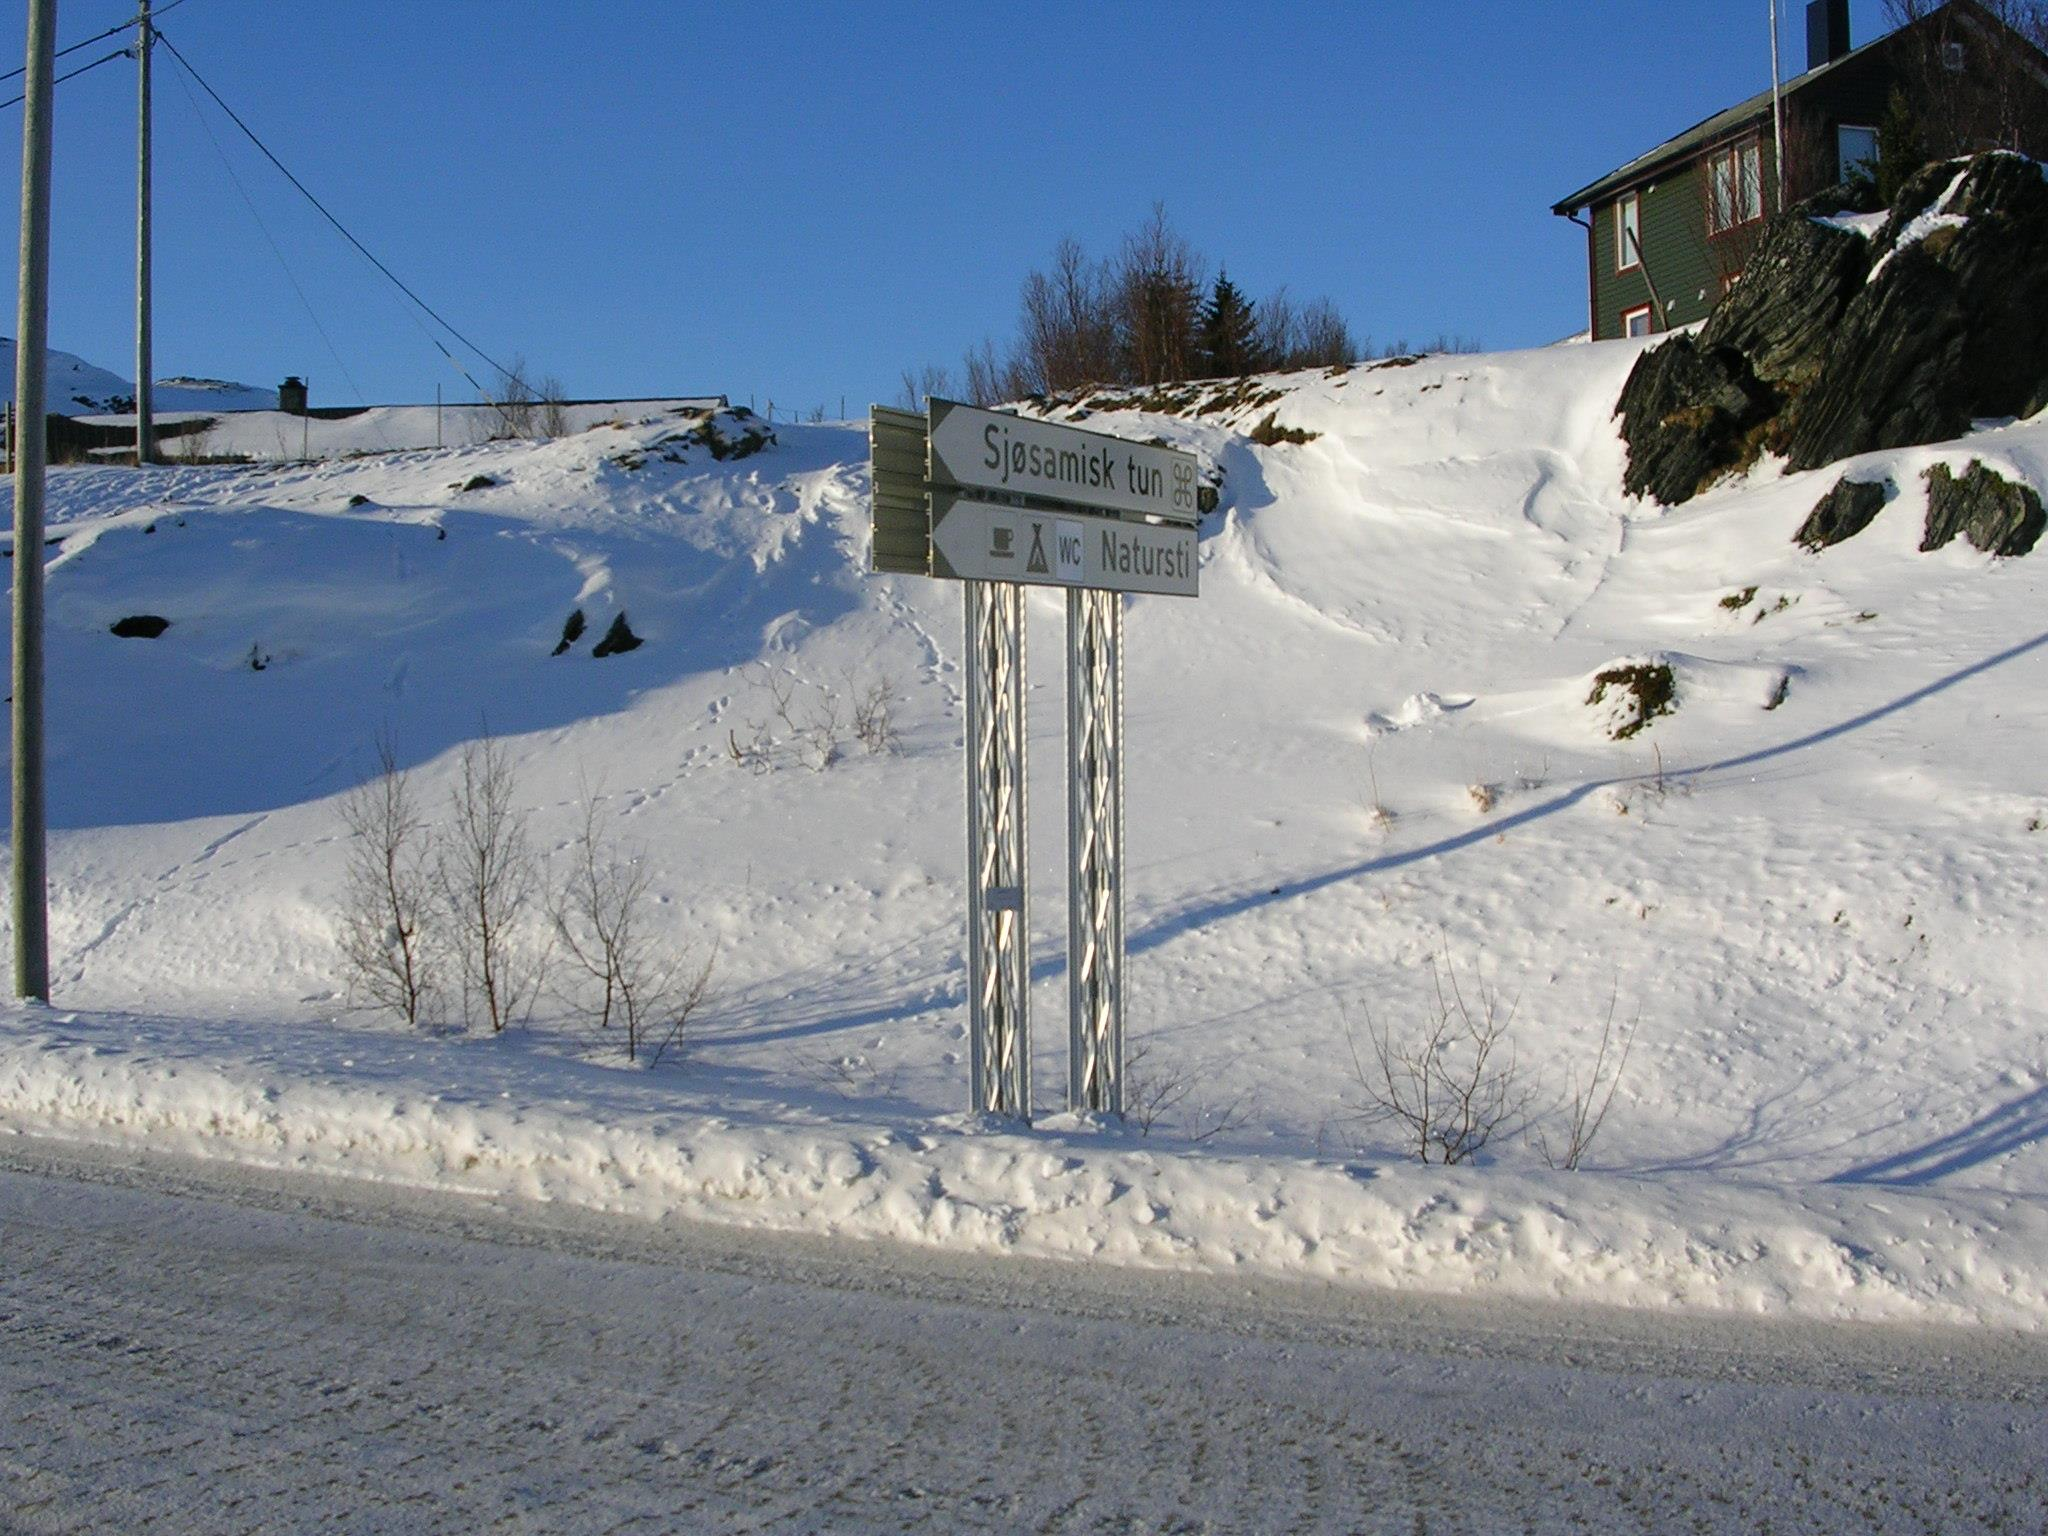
x: 1364, y: 757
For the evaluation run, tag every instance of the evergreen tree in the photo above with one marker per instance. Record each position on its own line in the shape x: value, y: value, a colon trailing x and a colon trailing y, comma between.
x: 1229, y: 331
x: 1901, y: 147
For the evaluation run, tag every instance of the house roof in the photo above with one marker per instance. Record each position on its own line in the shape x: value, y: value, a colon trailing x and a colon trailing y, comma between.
x: 1699, y: 136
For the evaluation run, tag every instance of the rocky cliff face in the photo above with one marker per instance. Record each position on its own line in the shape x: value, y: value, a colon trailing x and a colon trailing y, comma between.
x: 1846, y: 335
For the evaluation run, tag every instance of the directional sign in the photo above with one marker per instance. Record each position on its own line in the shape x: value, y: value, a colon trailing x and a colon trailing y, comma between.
x: 992, y: 451
x: 979, y: 541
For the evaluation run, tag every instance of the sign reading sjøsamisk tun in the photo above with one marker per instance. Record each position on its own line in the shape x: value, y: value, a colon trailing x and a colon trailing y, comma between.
x: 974, y: 449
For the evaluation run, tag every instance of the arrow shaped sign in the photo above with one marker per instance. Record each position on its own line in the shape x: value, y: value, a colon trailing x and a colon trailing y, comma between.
x: 979, y: 541
x: 975, y: 449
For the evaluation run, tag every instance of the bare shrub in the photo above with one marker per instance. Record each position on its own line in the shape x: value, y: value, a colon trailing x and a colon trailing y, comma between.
x: 812, y: 721
x: 1067, y: 324
x: 1162, y: 1093
x: 809, y: 723
x: 1323, y: 338
x: 1311, y: 335
x: 554, y: 408
x: 851, y: 1075
x: 197, y: 447
x: 920, y: 385
x: 627, y: 976
x: 1455, y: 1084
x: 755, y: 752
x: 990, y: 380
x: 388, y: 894
x: 515, y: 401
x: 1152, y: 1088
x: 1587, y: 1097
x: 1276, y: 325
x: 486, y: 878
x: 1376, y: 811
x: 874, y: 713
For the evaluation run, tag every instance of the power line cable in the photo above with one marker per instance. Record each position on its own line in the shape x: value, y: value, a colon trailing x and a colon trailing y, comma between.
x: 275, y: 249
x: 367, y: 254
x: 118, y: 53
x: 169, y: 5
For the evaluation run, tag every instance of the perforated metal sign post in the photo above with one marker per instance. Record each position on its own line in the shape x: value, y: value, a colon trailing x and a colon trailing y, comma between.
x: 1000, y: 502
x: 1095, y: 851
x: 998, y: 883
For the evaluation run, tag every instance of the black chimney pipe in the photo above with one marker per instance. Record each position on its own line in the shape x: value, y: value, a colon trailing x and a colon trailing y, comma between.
x: 1827, y: 31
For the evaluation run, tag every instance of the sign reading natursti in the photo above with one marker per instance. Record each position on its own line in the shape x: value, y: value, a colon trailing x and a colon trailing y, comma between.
x: 982, y: 450
x: 979, y: 541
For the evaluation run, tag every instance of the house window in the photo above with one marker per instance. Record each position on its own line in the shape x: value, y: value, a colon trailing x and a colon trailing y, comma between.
x: 1858, y: 150
x: 1735, y: 187
x: 1628, y: 233
x: 1636, y: 322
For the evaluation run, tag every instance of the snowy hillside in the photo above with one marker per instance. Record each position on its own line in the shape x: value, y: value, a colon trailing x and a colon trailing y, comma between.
x: 73, y: 385
x: 78, y: 388
x: 257, y: 430
x: 1366, y: 758
x: 183, y: 394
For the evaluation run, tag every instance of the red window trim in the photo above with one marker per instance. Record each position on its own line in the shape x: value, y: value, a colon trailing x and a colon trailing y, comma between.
x: 1646, y: 311
x: 1734, y: 149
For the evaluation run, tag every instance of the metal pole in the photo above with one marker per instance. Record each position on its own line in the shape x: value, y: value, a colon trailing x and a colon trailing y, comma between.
x: 437, y: 415
x: 145, y: 369
x: 1095, y: 844
x: 1777, y: 113
x: 32, y: 336
x: 998, y: 927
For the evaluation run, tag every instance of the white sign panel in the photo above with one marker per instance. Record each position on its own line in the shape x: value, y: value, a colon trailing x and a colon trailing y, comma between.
x: 979, y: 541
x: 992, y: 451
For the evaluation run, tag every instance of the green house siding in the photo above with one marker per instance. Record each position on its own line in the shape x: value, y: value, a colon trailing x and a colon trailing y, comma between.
x: 1685, y: 267
x: 1688, y: 267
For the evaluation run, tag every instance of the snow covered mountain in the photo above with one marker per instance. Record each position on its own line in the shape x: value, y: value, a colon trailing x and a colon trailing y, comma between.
x: 1452, y: 712
x: 77, y: 388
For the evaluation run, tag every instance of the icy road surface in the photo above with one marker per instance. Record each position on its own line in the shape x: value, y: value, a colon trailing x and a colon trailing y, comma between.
x: 186, y: 1348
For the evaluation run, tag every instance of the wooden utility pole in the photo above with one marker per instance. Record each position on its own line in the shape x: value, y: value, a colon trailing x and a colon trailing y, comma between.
x: 31, y: 351
x: 145, y: 372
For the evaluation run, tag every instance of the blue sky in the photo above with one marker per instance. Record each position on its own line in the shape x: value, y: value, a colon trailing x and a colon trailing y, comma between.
x: 797, y: 202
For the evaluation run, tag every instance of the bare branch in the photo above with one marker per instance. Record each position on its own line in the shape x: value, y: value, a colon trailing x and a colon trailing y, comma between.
x: 486, y: 878
x: 387, y: 894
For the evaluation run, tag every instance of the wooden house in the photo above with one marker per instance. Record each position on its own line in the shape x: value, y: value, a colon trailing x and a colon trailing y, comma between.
x: 1669, y: 232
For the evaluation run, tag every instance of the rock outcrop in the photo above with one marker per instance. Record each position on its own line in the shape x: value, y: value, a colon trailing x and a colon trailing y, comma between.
x: 618, y: 639
x: 1844, y: 512
x: 1995, y: 515
x: 1839, y: 342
